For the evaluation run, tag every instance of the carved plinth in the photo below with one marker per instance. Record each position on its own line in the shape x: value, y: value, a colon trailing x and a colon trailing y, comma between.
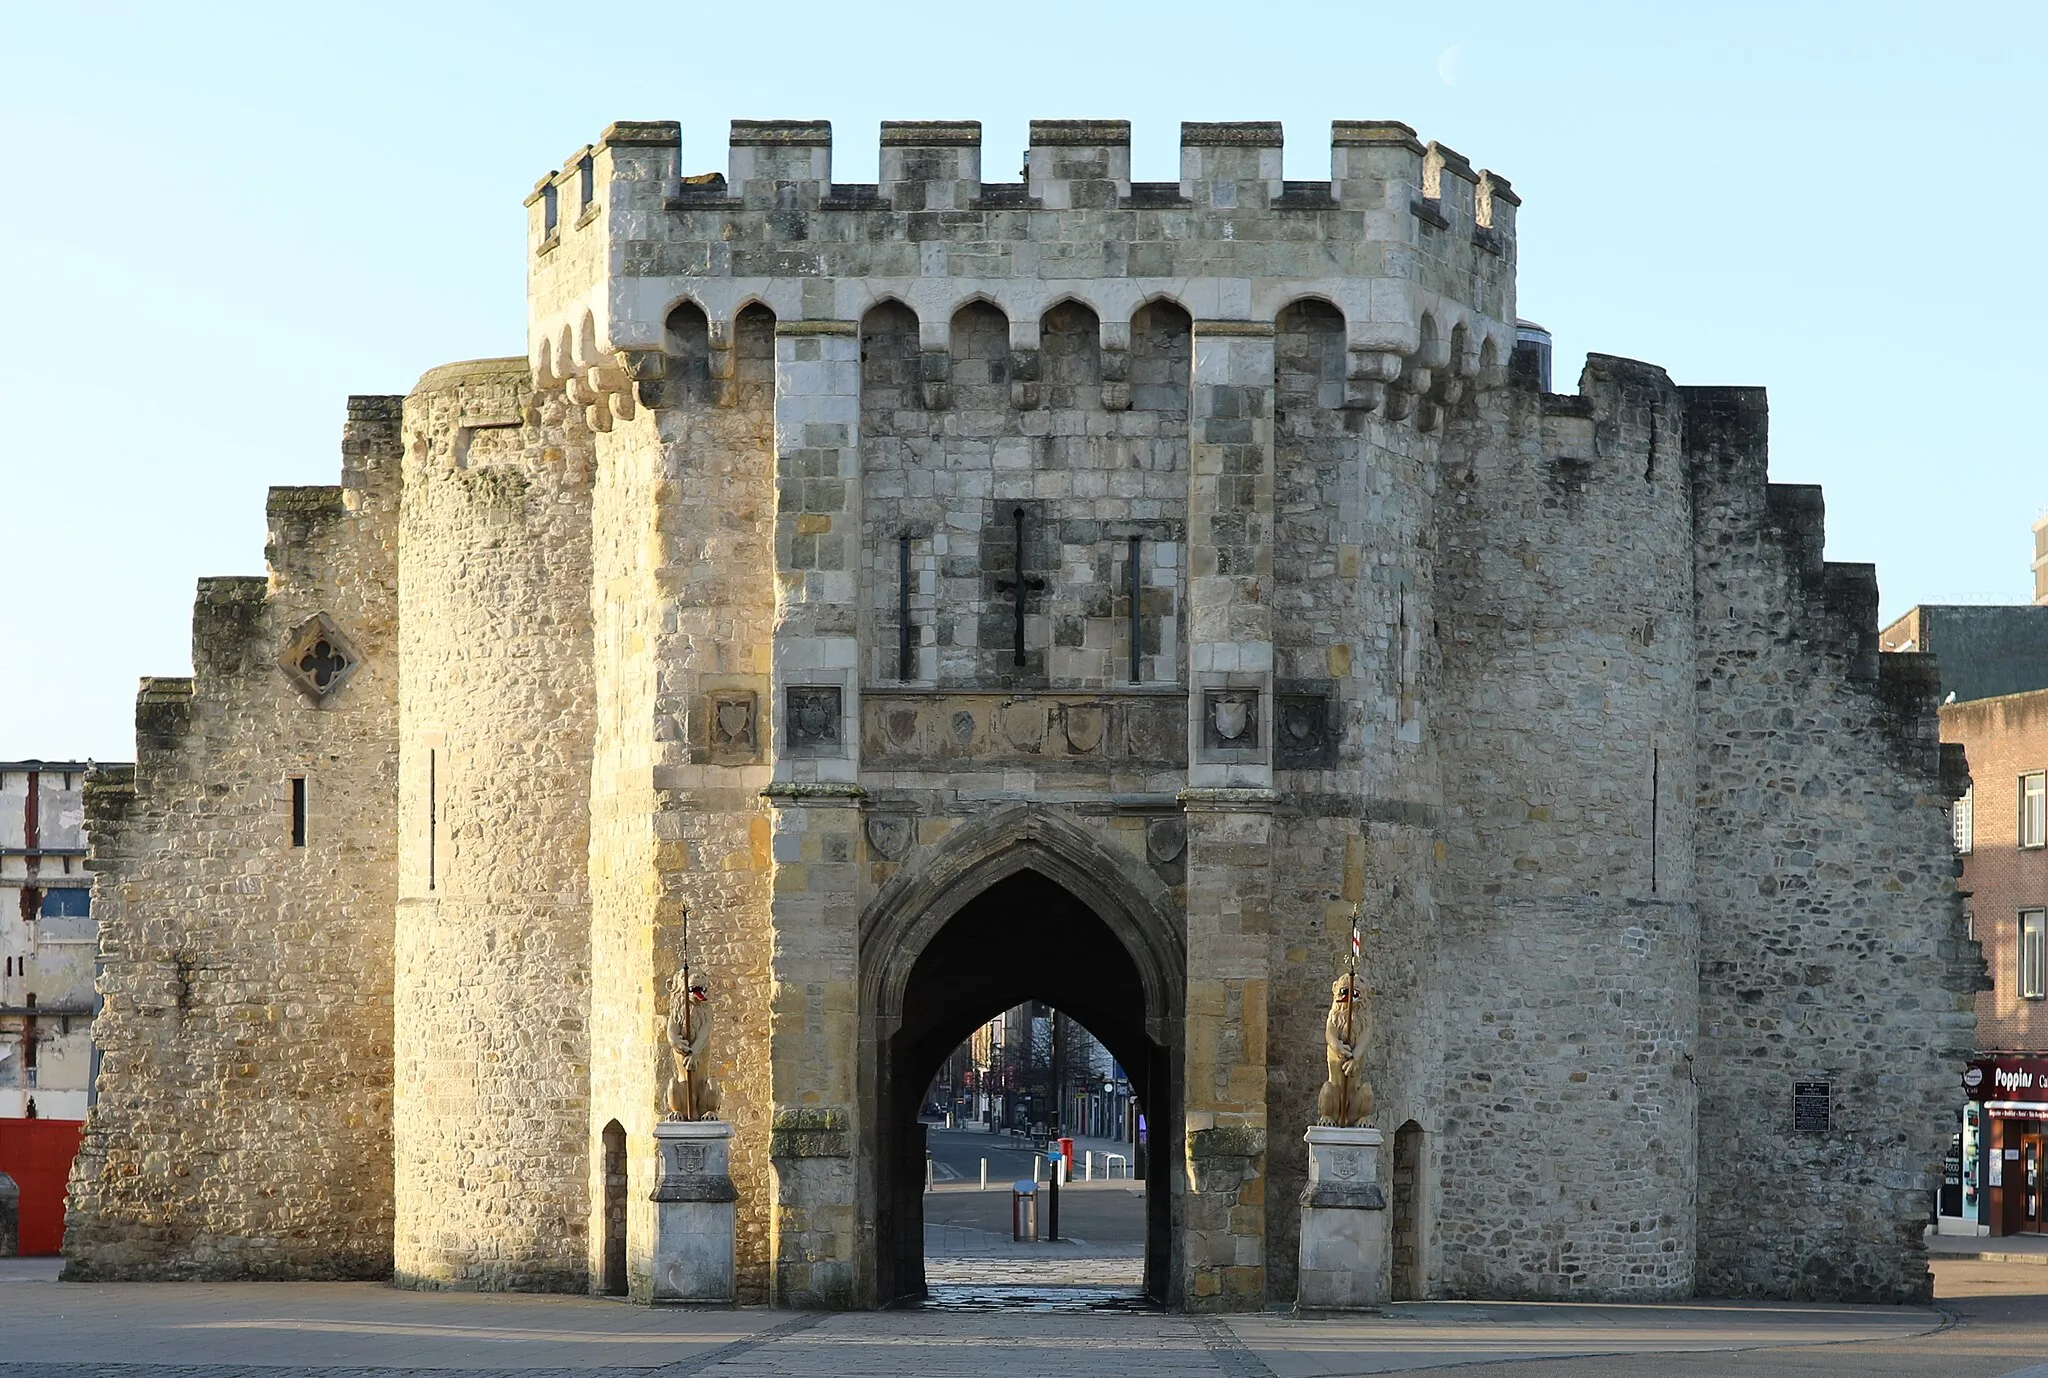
x: 1343, y: 1222
x: 693, y: 1211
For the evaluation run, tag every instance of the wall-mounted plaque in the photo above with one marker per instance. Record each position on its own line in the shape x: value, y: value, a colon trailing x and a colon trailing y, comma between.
x: 813, y: 718
x: 1812, y: 1107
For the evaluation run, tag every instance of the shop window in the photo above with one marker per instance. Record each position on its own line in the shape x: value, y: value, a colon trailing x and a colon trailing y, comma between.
x: 1964, y: 820
x: 67, y: 904
x: 2033, y: 794
x: 2033, y: 953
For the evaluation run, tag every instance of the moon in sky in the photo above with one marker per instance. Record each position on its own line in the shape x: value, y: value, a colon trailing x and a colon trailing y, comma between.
x: 1451, y: 63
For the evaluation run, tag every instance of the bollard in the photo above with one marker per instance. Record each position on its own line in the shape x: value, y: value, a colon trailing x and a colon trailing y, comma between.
x: 984, y: 1174
x: 927, y: 1172
x: 1037, y: 1170
x: 1088, y: 1166
x: 1052, y: 1201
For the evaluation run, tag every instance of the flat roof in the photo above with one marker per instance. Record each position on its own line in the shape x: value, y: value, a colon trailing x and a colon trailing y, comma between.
x: 75, y: 767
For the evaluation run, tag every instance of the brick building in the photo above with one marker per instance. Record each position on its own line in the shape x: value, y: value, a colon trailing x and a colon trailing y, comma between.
x: 1993, y: 668
x: 2001, y: 827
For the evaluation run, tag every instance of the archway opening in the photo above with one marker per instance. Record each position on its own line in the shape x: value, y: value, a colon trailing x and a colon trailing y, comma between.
x: 1025, y: 940
x: 1410, y: 1201
x: 614, y: 1143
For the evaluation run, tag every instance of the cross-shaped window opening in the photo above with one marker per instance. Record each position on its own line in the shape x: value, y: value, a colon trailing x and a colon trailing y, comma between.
x: 1021, y: 586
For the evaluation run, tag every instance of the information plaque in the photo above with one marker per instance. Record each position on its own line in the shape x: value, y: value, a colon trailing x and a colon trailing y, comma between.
x: 1812, y: 1107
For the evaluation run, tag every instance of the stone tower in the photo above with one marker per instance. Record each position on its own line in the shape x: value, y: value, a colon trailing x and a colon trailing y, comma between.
x: 946, y: 593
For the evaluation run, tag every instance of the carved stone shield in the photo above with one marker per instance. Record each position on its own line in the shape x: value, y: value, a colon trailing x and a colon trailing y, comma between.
x: 813, y: 716
x: 1084, y: 723
x: 891, y: 834
x: 1165, y: 839
x: 1023, y: 723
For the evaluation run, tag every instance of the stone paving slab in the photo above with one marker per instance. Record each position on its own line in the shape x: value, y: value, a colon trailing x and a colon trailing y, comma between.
x: 363, y: 1330
x: 1029, y: 1272
x: 1440, y: 1334
x: 343, y: 1325
x: 2010, y: 1248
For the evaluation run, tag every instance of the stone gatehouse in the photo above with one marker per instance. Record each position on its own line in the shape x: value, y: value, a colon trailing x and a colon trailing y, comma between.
x: 948, y: 592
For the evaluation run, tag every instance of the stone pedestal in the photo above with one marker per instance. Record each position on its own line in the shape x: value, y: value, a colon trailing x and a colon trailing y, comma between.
x: 693, y: 1211
x: 1343, y: 1223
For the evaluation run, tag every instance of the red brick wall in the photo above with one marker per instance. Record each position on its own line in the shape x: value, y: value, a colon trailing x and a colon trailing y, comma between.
x: 2004, y: 737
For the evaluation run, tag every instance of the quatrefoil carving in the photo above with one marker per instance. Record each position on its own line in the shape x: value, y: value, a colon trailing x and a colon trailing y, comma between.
x: 317, y: 658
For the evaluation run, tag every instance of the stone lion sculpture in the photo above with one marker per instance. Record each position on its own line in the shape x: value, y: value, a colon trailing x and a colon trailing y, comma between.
x: 692, y: 1095
x: 1346, y: 1097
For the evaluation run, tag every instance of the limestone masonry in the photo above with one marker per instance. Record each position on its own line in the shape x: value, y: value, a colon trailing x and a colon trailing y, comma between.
x: 955, y: 592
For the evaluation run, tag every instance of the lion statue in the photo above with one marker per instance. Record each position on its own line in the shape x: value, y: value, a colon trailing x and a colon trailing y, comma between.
x: 692, y: 1095
x: 1346, y: 1097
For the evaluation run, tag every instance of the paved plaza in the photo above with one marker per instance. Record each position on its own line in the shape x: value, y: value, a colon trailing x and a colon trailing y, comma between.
x: 1992, y: 1321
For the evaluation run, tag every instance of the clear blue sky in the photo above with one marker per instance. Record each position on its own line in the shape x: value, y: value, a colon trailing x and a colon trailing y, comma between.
x: 220, y: 220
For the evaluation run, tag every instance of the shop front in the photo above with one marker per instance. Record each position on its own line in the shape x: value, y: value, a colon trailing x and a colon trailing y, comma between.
x: 2001, y: 1149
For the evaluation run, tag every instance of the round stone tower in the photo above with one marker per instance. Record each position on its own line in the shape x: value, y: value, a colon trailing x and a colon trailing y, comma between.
x: 491, y: 989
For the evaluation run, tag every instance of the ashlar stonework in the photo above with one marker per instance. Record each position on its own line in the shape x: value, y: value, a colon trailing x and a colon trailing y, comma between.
x: 951, y: 592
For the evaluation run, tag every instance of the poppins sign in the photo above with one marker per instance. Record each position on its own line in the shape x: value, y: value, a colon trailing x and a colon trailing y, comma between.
x: 2007, y: 1078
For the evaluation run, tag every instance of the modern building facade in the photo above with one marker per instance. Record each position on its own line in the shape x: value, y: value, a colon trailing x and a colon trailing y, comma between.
x: 1993, y: 668
x: 2001, y: 1161
x: 48, y: 952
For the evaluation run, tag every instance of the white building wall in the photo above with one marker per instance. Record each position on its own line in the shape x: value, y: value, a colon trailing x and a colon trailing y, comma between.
x: 48, y: 942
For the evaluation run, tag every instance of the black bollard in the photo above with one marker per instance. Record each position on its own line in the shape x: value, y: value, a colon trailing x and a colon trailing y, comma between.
x: 1052, y: 1205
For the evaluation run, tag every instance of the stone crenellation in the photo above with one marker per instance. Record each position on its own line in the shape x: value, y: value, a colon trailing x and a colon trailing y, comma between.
x: 851, y: 579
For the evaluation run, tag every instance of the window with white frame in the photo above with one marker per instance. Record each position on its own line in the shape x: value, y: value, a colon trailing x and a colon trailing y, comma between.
x: 2033, y: 953
x: 2033, y: 793
x: 1964, y: 820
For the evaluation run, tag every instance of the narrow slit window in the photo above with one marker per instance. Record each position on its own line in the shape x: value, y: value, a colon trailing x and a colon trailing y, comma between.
x: 906, y: 653
x: 1136, y: 580
x: 1656, y: 792
x: 586, y: 183
x: 433, y: 811
x: 298, y: 811
x: 550, y: 212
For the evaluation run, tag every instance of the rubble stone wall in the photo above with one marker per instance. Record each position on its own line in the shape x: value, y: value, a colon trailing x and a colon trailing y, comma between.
x: 243, y: 1126
x: 493, y: 961
x: 1566, y: 933
x: 1833, y: 954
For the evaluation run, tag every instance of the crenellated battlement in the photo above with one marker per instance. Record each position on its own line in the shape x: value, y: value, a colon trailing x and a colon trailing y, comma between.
x: 1413, y: 246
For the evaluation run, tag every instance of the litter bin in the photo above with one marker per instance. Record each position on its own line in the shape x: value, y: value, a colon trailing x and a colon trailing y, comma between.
x: 1024, y: 1212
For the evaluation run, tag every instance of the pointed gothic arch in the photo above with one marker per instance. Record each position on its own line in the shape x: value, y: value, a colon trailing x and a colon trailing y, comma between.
x: 1020, y: 904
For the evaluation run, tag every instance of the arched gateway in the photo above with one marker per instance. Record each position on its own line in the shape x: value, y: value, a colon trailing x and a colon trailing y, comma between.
x: 1023, y: 904
x: 914, y: 597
